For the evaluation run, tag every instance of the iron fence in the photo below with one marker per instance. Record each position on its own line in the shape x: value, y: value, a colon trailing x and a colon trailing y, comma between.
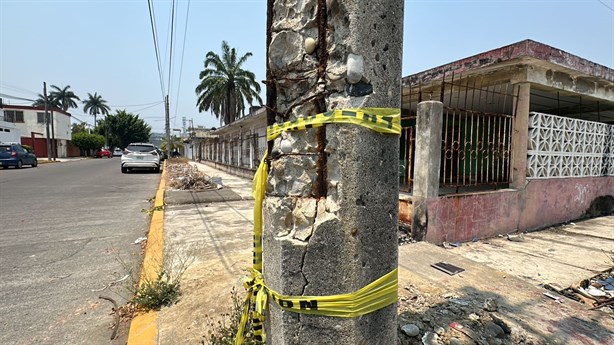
x: 476, y: 131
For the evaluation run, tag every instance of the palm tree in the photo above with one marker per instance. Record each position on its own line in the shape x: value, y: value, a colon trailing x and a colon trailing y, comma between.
x: 176, y: 143
x: 225, y: 86
x: 95, y: 105
x: 64, y: 97
x: 51, y: 102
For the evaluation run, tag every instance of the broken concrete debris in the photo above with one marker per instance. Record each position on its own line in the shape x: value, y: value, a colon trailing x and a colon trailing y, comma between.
x: 410, y: 330
x: 183, y: 176
x: 556, y: 298
x: 596, y: 292
x: 490, y: 304
x: 516, y: 238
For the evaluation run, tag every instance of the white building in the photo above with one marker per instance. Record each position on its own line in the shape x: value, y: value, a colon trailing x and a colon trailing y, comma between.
x: 30, y: 122
x: 238, y: 147
x: 9, y: 133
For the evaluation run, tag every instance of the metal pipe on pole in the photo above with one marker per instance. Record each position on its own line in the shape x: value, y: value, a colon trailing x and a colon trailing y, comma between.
x: 53, y: 142
x: 168, y: 127
x: 46, y: 121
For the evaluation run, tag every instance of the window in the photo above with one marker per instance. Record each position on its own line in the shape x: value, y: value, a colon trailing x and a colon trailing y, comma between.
x: 7, y: 130
x: 40, y: 118
x: 13, y: 116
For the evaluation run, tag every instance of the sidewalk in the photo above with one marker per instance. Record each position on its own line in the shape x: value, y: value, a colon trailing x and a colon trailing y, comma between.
x: 219, y: 235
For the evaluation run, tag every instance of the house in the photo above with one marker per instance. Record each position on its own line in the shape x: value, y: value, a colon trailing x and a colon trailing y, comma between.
x: 526, y: 141
x: 237, y: 147
x: 30, y: 122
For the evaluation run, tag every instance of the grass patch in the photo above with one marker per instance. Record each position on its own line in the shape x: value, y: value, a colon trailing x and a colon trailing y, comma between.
x: 153, y: 295
x: 224, y: 331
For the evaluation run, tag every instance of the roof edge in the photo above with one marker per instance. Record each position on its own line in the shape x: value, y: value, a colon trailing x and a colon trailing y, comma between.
x: 525, y: 48
x: 29, y: 107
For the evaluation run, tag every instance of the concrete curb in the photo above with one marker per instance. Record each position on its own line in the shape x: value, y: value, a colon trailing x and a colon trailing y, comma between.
x: 144, y: 326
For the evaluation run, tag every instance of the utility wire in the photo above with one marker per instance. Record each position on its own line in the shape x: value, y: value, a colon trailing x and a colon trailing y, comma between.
x: 135, y: 105
x: 151, y: 106
x: 156, y: 46
x: 185, y: 33
x: 172, y: 35
x: 606, y: 5
x: 15, y: 97
x: 18, y: 89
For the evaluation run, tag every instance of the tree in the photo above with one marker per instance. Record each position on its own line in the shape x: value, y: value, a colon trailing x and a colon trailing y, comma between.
x: 52, y: 103
x: 79, y: 128
x: 95, y: 105
x: 124, y: 128
x: 176, y: 143
x: 86, y: 141
x: 64, y: 97
x: 225, y: 85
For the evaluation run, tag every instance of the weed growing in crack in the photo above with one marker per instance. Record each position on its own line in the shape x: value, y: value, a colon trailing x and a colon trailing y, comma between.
x: 224, y: 331
x: 161, y: 292
x: 152, y: 293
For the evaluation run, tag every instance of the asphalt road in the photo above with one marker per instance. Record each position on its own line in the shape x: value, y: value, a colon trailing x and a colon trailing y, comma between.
x: 67, y: 229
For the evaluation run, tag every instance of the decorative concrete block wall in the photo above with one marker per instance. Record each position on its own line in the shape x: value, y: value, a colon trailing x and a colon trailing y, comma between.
x: 565, y: 147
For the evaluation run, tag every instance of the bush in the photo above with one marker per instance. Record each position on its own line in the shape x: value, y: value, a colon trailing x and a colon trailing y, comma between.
x: 86, y: 141
x: 153, y: 295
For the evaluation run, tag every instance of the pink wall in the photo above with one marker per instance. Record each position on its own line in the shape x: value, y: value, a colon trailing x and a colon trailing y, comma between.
x: 463, y: 217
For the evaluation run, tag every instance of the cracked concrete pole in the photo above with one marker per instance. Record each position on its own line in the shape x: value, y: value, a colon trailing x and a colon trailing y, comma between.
x: 331, y: 205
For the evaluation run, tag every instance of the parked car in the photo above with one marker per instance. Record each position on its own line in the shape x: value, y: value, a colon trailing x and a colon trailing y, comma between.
x: 162, y: 154
x: 103, y: 153
x: 13, y: 154
x: 140, y: 156
x: 118, y: 152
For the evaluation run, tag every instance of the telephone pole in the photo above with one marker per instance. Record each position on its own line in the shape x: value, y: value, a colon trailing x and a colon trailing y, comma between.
x: 168, y: 127
x: 46, y: 121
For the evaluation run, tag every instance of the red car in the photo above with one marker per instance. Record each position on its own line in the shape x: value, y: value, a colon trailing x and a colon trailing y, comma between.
x: 103, y: 153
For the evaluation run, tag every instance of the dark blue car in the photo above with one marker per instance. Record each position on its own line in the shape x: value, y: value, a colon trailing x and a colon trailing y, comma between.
x: 14, y: 154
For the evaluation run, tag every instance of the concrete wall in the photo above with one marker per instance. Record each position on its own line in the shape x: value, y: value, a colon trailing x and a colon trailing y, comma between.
x: 464, y: 217
x: 9, y: 133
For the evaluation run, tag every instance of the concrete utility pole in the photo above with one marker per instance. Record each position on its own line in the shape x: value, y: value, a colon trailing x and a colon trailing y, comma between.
x: 46, y: 121
x: 331, y: 205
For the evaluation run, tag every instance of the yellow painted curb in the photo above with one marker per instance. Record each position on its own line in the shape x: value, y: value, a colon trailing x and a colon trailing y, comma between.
x: 144, y: 326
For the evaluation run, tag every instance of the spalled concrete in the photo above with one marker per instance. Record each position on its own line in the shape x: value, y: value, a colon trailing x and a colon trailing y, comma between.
x: 331, y: 208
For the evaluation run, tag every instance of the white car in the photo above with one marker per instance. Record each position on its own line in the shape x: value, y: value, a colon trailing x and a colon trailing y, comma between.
x: 118, y: 152
x: 140, y: 156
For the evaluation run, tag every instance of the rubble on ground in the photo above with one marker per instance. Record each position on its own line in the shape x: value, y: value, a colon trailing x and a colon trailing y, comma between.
x: 596, y: 292
x: 183, y: 176
x: 454, y: 319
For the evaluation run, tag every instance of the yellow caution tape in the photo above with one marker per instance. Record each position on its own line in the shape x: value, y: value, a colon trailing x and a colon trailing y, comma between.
x: 376, y: 295
x: 383, y: 120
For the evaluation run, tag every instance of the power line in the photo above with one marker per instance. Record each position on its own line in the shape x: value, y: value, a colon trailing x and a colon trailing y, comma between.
x: 606, y: 5
x: 15, y: 97
x: 185, y: 33
x: 151, y: 106
x: 135, y: 105
x: 172, y: 36
x: 18, y: 89
x: 155, y: 39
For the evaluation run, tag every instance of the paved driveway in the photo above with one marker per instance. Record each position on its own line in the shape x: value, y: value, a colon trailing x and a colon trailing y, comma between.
x: 67, y: 229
